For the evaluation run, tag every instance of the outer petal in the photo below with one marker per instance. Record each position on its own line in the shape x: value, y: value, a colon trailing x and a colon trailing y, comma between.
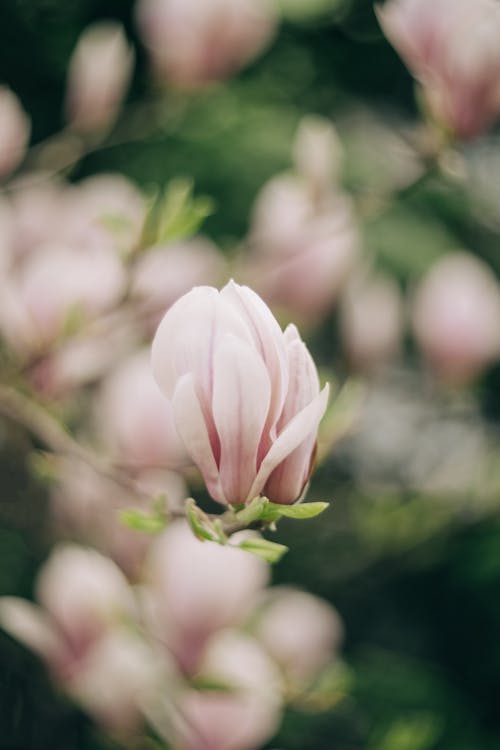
x: 297, y: 430
x: 241, y: 399
x: 288, y: 479
x: 268, y: 338
x: 193, y: 430
x: 29, y: 624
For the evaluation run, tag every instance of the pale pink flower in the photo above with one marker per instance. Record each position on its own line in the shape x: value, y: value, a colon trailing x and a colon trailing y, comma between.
x: 452, y: 47
x: 135, y: 419
x: 196, y: 588
x: 299, y: 631
x: 163, y: 274
x: 193, y: 42
x: 14, y: 131
x: 456, y: 317
x: 303, y: 246
x: 82, y: 596
x: 371, y: 321
x: 244, y: 715
x: 318, y: 153
x: 98, y: 76
x: 245, y: 395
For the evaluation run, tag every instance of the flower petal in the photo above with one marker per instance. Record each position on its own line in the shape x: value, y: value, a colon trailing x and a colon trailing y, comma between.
x: 241, y: 398
x: 194, y: 433
x: 297, y: 430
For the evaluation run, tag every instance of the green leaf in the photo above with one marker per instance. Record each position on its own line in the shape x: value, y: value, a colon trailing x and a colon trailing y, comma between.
x: 141, y: 521
x: 299, y: 511
x: 201, y: 525
x: 271, y: 552
x: 254, y: 511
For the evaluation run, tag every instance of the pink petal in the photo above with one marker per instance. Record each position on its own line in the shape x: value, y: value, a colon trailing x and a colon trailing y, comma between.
x: 30, y: 625
x: 241, y: 398
x: 193, y: 431
x: 297, y: 430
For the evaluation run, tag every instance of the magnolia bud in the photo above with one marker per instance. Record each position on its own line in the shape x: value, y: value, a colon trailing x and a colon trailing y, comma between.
x: 14, y: 131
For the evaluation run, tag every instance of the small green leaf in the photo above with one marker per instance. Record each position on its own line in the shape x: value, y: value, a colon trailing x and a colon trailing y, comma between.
x: 271, y: 552
x: 200, y: 523
x: 253, y: 511
x: 300, y: 511
x: 140, y: 521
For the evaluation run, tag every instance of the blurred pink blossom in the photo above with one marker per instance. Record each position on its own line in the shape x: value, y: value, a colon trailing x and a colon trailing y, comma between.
x: 302, y: 248
x: 193, y: 42
x: 372, y: 319
x: 299, y: 631
x: 99, y: 72
x: 456, y: 317
x: 14, y: 131
x: 243, y: 715
x: 163, y: 274
x: 135, y: 419
x: 245, y: 395
x: 196, y: 588
x: 452, y: 47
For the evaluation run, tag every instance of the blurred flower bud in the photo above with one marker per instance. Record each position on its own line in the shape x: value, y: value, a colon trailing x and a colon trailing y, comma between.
x: 98, y: 76
x: 452, y: 47
x: 302, y: 250
x: 456, y: 317
x: 245, y: 395
x: 86, y: 506
x: 299, y: 631
x: 197, y: 588
x: 14, y: 131
x: 194, y: 43
x: 246, y: 711
x: 371, y: 321
x: 135, y: 419
x: 82, y: 596
x: 163, y: 274
x: 35, y: 309
x: 318, y: 152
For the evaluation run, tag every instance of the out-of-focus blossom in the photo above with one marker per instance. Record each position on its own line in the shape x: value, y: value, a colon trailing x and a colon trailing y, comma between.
x: 246, y: 711
x: 300, y: 632
x: 196, y: 589
x: 119, y: 677
x: 456, y: 317
x: 452, y: 47
x: 194, y: 43
x: 82, y: 596
x: 98, y: 76
x: 53, y: 288
x: 163, y: 274
x: 245, y: 395
x: 14, y: 131
x: 135, y: 419
x: 86, y: 506
x: 302, y: 249
x: 371, y: 321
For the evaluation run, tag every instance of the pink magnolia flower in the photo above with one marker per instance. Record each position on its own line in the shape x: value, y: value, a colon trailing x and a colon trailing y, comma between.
x: 196, y: 589
x: 245, y: 395
x: 194, y: 42
x: 299, y: 631
x: 14, y: 131
x: 456, y: 317
x: 452, y: 47
x: 247, y: 712
x: 99, y: 73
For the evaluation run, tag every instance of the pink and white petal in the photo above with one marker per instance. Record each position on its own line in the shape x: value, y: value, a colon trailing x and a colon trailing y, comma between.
x: 241, y: 398
x: 195, y: 435
x: 29, y: 624
x: 303, y: 385
x: 297, y: 430
x: 268, y: 338
x: 287, y: 481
